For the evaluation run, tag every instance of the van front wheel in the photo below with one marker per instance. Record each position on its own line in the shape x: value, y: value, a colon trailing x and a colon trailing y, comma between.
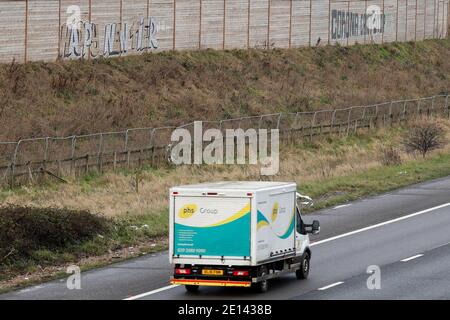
x: 303, y: 272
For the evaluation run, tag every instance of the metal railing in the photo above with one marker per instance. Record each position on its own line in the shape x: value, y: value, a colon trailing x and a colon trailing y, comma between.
x: 60, y: 156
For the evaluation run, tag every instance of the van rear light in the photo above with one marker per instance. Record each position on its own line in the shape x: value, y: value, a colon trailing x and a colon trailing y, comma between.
x: 182, y: 271
x: 212, y: 193
x: 240, y: 273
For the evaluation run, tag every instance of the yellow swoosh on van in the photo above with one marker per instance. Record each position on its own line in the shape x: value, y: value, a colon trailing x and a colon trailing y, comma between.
x: 236, y: 216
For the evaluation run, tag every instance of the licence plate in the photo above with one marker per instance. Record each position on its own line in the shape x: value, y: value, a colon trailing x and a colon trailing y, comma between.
x: 212, y: 272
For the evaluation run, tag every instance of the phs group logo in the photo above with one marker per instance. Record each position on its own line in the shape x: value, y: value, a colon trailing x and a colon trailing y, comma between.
x: 187, y: 211
x: 277, y: 210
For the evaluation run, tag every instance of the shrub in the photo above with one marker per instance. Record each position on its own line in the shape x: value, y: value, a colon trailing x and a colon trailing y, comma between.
x: 30, y: 233
x: 423, y: 137
x: 390, y: 156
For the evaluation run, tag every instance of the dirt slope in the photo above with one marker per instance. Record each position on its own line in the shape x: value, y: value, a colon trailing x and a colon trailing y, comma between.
x: 74, y: 97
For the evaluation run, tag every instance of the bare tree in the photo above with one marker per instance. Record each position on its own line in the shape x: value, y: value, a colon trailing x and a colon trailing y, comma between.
x: 424, y: 137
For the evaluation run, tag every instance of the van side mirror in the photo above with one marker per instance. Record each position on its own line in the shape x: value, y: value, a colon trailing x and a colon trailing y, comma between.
x: 315, y: 227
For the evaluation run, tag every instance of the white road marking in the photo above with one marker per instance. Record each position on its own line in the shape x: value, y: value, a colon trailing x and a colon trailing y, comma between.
x: 320, y: 242
x: 439, y: 246
x: 412, y: 258
x: 380, y: 224
x: 342, y: 206
x: 331, y: 286
x: 152, y: 292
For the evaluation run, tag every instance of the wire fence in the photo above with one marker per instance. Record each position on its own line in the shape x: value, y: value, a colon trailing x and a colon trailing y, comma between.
x: 32, y: 160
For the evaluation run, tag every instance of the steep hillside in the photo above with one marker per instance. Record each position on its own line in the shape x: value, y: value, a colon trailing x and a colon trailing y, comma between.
x: 74, y: 97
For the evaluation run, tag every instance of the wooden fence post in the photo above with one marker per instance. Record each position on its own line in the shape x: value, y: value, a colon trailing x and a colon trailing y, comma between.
x: 432, y: 106
x: 313, y: 122
x: 390, y: 114
x: 383, y: 24
x: 90, y: 21
x: 224, y: 26
x: 174, y: 23
x: 44, y: 162
x: 11, y: 181
x: 404, y: 111
x: 310, y: 20
x: 406, y: 24
x: 268, y: 23
x: 72, y: 162
x: 329, y: 22
x: 447, y: 106
x: 415, y: 24
x: 100, y: 162
x: 396, y: 26
x: 425, y: 21
x: 100, y: 154
x: 200, y: 25
x: 348, y: 120
x: 25, y: 55
x: 87, y: 164
x: 290, y: 24
x: 333, y: 119
x: 59, y: 167
x: 59, y: 29
x: 248, y: 23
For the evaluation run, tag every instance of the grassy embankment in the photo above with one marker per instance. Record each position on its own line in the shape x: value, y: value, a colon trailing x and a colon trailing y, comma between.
x: 76, y: 97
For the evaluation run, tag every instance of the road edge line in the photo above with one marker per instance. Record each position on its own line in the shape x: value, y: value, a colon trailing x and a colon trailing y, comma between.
x: 380, y: 224
x: 331, y: 286
x: 152, y: 292
x: 412, y: 258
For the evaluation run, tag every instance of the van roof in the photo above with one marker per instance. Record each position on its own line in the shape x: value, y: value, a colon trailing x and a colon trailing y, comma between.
x: 238, y: 185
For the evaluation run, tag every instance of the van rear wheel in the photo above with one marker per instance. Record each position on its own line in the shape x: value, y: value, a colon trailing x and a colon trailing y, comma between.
x: 191, y: 288
x: 262, y: 286
x: 303, y: 272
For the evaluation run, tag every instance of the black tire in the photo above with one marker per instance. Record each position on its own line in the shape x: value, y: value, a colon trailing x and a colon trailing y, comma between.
x: 262, y: 286
x: 191, y: 288
x: 305, y: 266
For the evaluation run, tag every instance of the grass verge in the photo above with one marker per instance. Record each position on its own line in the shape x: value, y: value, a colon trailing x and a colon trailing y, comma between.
x: 374, y: 181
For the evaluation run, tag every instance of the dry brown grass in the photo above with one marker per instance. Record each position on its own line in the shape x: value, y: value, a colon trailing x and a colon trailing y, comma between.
x: 75, y: 97
x: 114, y: 194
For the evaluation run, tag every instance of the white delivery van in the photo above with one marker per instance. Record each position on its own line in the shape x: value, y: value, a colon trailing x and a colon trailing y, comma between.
x: 237, y: 234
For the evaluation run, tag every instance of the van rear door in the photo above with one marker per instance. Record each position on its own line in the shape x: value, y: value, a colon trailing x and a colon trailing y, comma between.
x: 212, y: 227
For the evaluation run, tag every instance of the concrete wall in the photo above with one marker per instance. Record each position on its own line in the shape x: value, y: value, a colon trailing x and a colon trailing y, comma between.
x: 73, y: 29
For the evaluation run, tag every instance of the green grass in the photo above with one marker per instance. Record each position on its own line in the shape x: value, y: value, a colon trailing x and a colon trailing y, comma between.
x: 341, y: 189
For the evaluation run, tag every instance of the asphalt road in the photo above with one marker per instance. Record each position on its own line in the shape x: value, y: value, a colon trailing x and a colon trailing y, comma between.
x: 411, y: 224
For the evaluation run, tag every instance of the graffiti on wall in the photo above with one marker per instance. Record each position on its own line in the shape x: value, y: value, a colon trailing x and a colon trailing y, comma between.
x: 346, y: 24
x: 81, y: 39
